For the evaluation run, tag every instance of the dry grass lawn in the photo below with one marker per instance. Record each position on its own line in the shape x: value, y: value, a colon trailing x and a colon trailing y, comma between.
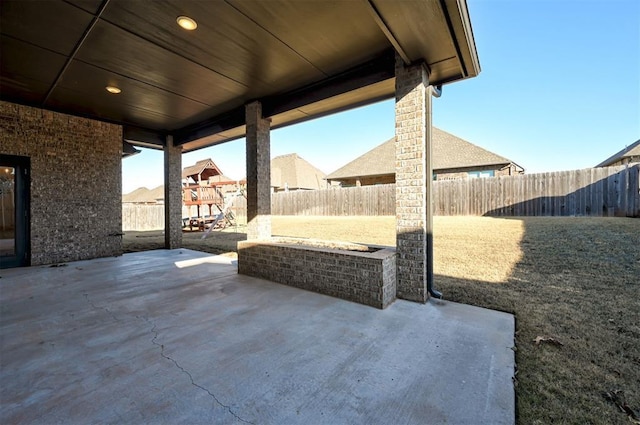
x: 464, y: 247
x: 576, y: 280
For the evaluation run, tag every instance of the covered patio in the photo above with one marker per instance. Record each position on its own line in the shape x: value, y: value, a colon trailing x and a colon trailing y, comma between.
x: 82, y: 80
x: 177, y: 336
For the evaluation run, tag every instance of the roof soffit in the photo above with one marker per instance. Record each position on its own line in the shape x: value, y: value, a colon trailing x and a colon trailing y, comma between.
x: 302, y: 60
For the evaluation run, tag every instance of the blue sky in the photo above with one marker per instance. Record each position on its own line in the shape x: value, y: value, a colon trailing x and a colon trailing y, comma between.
x: 559, y: 90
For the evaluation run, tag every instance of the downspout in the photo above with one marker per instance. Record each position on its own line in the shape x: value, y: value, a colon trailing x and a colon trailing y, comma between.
x: 436, y: 91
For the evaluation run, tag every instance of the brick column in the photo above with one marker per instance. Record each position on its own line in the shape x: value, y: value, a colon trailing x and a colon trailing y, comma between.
x: 258, y: 173
x: 414, y: 217
x: 172, y: 195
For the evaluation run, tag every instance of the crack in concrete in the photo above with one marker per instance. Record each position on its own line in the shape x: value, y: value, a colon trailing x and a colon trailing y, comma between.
x: 182, y: 369
x: 86, y: 297
x: 186, y: 372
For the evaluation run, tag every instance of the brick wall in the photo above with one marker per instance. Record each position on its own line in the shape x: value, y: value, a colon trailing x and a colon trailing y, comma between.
x: 446, y: 174
x: 172, y: 195
x: 365, y: 278
x: 368, y: 181
x: 258, y: 173
x: 413, y: 124
x: 76, y: 181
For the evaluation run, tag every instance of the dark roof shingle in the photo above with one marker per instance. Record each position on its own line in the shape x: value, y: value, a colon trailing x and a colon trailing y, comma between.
x: 296, y: 173
x: 144, y: 195
x: 449, y: 152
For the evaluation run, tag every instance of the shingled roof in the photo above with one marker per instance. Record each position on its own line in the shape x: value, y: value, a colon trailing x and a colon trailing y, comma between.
x: 205, y: 167
x: 296, y: 173
x: 628, y: 152
x: 449, y: 152
x: 144, y: 195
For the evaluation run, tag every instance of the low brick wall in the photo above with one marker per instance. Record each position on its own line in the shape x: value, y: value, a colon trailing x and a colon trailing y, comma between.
x: 363, y: 277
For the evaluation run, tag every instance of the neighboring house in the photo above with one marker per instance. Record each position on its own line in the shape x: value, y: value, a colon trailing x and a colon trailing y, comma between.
x: 628, y: 155
x: 291, y: 172
x: 453, y: 158
x: 142, y: 195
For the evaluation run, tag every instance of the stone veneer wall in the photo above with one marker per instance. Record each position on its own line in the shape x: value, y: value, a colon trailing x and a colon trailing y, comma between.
x: 364, y: 277
x: 76, y: 182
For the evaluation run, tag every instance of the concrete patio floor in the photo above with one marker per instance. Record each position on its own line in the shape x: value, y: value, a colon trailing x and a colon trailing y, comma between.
x: 179, y: 337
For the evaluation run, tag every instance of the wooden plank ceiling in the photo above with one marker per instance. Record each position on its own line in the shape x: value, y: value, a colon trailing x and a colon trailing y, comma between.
x: 302, y: 59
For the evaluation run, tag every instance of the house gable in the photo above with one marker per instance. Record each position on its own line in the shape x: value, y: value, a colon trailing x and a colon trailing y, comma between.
x: 628, y: 155
x: 453, y: 157
x: 292, y: 172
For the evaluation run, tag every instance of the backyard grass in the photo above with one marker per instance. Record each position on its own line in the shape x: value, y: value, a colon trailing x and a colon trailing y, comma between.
x: 573, y: 280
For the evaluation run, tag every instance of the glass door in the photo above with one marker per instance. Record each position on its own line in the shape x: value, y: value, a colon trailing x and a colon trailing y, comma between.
x: 14, y: 211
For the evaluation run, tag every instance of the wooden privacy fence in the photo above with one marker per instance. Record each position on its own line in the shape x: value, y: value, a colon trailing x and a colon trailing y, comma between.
x: 610, y: 191
x: 596, y: 192
x: 6, y: 209
x: 142, y: 217
x: 364, y: 200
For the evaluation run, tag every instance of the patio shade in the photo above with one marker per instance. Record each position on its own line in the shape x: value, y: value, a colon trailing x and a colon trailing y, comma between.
x: 300, y: 59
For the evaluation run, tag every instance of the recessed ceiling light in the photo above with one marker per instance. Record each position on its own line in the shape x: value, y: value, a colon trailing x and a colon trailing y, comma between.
x: 187, y: 23
x: 113, y: 89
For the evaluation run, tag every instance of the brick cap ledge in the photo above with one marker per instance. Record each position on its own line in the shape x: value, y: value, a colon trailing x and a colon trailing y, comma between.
x: 321, y: 245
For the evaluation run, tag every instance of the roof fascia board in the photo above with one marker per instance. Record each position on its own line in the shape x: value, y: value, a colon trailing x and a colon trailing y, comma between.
x: 456, y: 14
x: 468, y: 33
x: 618, y: 155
